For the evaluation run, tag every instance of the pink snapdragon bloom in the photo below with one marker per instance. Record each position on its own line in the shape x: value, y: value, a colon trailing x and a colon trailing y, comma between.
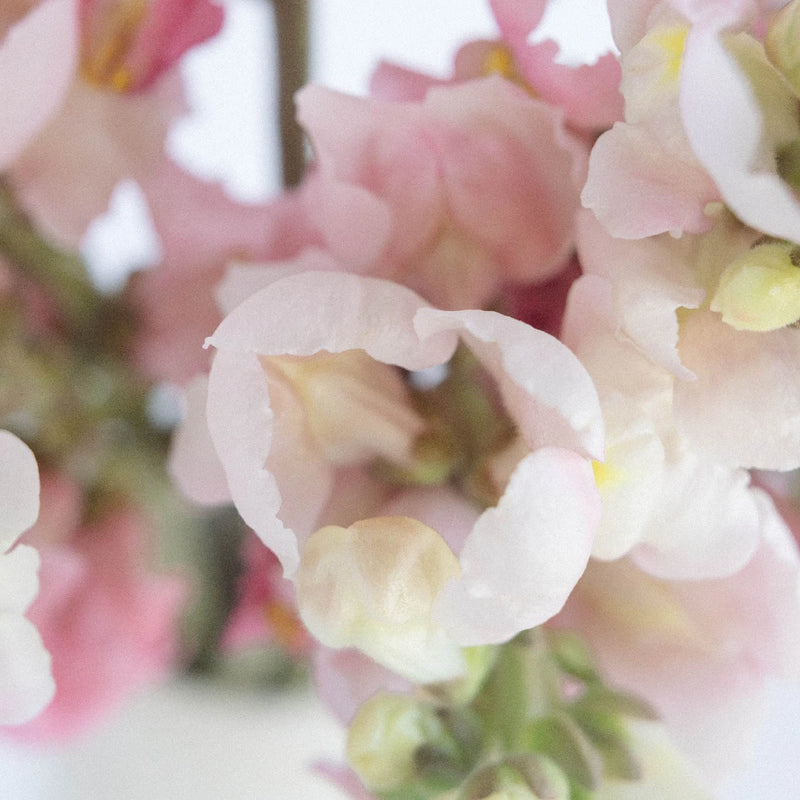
x: 701, y: 652
x: 109, y: 624
x: 304, y: 382
x: 26, y: 679
x: 455, y: 196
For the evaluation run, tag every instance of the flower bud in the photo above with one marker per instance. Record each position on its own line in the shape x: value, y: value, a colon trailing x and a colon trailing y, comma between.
x: 760, y: 291
x: 385, y: 736
x: 372, y: 586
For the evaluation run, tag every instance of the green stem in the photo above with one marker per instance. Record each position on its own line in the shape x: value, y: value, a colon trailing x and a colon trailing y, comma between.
x: 292, y: 26
x: 62, y: 273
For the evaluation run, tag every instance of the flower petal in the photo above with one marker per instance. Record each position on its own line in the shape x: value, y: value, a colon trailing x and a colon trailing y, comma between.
x: 524, y: 556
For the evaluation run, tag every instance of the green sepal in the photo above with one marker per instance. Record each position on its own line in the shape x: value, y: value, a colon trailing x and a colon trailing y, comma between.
x: 572, y: 656
x: 599, y: 699
x: 562, y: 739
x: 609, y: 735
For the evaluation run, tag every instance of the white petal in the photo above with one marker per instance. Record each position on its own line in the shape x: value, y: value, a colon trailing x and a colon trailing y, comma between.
x: 19, y: 489
x: 524, y: 556
x: 26, y: 682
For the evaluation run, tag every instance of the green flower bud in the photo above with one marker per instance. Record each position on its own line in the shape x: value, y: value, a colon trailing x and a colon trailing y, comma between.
x: 385, y: 736
x: 760, y: 291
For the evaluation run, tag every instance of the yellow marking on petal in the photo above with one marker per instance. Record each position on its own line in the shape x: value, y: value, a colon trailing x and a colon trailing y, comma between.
x: 760, y: 291
x: 285, y: 625
x: 499, y: 61
x: 606, y: 475
x: 671, y: 41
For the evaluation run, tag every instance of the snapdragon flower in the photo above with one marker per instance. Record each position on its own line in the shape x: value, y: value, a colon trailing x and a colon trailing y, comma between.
x: 283, y: 445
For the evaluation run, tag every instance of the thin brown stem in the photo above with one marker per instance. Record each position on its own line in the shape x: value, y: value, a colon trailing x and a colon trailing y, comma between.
x: 292, y: 26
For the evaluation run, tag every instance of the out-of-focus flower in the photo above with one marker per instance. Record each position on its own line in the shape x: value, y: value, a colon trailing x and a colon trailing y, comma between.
x: 38, y: 58
x: 700, y: 651
x: 265, y: 612
x: 128, y: 45
x: 109, y: 623
x: 201, y: 230
x: 26, y: 680
x: 115, y: 107
x: 588, y: 94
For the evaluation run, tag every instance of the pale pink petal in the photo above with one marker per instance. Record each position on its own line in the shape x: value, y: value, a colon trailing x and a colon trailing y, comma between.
x: 19, y: 583
x: 707, y: 523
x: 724, y: 125
x: 344, y: 679
x: 240, y: 423
x: 98, y: 139
x: 629, y: 21
x: 193, y: 462
x: 243, y: 280
x: 637, y: 187
x: 393, y: 82
x: 355, y: 223
x: 524, y: 556
x: 701, y: 651
x: 507, y: 186
x: 303, y: 314
x: 376, y: 146
x: 545, y: 389
x: 38, y: 58
x: 649, y: 280
x: 744, y: 407
x: 450, y: 514
x: 19, y: 489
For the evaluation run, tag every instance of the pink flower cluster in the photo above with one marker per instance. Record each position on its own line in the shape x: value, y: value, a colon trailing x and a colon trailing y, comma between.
x: 623, y: 479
